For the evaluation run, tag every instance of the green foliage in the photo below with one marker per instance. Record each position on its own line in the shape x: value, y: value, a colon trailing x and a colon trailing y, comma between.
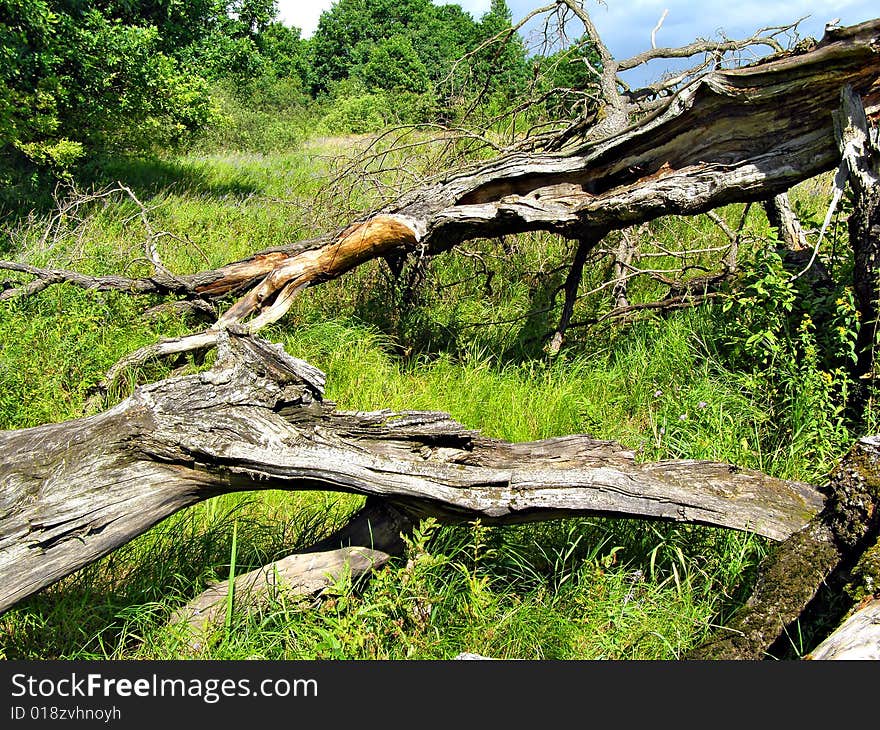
x: 347, y: 31
x: 597, y: 588
x: 273, y: 118
x: 392, y: 65
x: 77, y: 81
x: 354, y: 110
x: 569, y: 78
x: 795, y: 342
x: 411, y: 48
x: 500, y: 67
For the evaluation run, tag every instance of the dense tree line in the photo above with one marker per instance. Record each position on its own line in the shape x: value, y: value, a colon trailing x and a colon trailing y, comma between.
x: 83, y: 76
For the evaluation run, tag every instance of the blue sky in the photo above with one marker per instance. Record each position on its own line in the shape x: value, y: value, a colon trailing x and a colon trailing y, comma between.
x: 626, y: 26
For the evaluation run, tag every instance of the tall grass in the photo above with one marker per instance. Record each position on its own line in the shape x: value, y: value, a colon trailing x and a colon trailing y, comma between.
x: 667, y: 387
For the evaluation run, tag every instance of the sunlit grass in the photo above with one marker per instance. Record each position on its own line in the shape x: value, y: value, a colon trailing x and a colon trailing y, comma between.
x: 585, y: 588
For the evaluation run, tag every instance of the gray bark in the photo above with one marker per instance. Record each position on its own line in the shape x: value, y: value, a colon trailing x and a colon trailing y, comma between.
x: 301, y: 574
x: 820, y: 554
x: 857, y: 638
x: 781, y: 216
x: 71, y: 492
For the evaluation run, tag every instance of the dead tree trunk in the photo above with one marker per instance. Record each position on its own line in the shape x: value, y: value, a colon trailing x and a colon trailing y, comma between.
x: 72, y: 492
x: 730, y: 136
x: 820, y: 554
x: 781, y: 217
x: 861, y: 152
x: 857, y: 638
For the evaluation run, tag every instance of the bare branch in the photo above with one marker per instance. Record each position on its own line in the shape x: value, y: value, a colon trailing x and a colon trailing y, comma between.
x: 657, y: 28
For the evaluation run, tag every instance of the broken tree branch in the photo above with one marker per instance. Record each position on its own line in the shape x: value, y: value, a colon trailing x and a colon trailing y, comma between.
x: 72, y: 492
x: 791, y: 577
x: 364, y: 544
x: 731, y: 136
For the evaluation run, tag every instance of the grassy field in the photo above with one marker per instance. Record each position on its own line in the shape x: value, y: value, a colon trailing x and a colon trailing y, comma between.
x: 757, y: 380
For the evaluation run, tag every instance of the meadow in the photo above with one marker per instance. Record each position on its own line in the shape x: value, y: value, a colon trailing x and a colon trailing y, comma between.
x: 757, y: 378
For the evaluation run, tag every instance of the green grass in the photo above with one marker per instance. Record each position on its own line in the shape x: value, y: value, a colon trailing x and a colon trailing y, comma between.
x: 588, y: 588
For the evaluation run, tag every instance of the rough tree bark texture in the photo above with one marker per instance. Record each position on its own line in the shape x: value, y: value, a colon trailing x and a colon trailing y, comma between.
x: 72, y: 492
x: 861, y: 153
x: 857, y: 638
x: 790, y: 578
x: 731, y: 136
x: 781, y: 217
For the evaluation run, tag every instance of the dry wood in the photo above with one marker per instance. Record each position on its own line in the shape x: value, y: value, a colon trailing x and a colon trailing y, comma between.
x: 861, y: 156
x: 71, y: 492
x: 781, y: 217
x: 302, y: 574
x: 820, y: 554
x: 857, y: 638
x: 364, y: 544
x: 730, y: 136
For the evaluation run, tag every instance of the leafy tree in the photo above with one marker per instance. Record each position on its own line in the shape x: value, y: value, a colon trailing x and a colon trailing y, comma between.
x: 392, y: 65
x: 350, y: 28
x: 285, y: 51
x: 75, y: 81
x: 501, y: 66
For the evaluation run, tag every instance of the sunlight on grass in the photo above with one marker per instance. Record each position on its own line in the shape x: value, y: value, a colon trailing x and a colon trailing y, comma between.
x: 585, y: 588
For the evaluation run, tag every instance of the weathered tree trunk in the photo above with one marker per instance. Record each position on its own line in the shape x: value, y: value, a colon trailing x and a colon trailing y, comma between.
x: 730, y: 136
x: 857, y: 638
x: 364, y: 544
x: 71, y: 492
x: 781, y: 217
x: 820, y: 554
x: 861, y: 153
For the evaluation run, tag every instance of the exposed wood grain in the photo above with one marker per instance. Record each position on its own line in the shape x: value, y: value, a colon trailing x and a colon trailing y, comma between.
x: 302, y: 574
x: 731, y: 136
x: 71, y: 492
x: 857, y: 638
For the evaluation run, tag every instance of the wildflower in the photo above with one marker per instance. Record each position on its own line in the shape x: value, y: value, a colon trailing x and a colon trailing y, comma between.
x: 683, y: 417
x: 702, y: 404
x: 658, y: 393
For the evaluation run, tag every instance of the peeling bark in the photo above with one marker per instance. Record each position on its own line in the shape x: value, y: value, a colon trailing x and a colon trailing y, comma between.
x: 730, y: 136
x: 72, y: 492
x: 821, y: 553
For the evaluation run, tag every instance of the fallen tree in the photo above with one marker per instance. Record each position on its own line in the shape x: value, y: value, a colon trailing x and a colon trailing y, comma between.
x: 74, y: 491
x: 729, y: 136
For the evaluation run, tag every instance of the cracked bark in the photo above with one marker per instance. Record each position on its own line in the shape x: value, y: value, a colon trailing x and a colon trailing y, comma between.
x: 72, y: 492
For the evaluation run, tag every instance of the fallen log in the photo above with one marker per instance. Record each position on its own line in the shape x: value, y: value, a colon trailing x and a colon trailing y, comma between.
x: 364, y: 544
x: 821, y: 554
x: 301, y: 574
x: 857, y: 638
x: 738, y: 135
x: 72, y: 492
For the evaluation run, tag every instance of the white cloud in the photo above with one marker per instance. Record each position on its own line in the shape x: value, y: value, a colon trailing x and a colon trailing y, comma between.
x: 303, y: 14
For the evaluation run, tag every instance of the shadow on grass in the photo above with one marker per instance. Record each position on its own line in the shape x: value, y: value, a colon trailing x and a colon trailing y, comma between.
x: 151, y: 175
x: 26, y: 191
x: 106, y: 608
